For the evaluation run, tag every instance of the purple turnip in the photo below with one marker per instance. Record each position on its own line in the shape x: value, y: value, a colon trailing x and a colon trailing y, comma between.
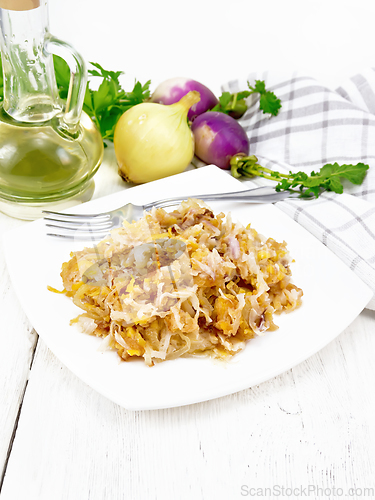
x: 218, y: 137
x: 172, y: 90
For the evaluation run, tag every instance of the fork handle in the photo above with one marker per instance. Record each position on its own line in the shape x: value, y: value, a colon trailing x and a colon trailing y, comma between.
x: 264, y: 194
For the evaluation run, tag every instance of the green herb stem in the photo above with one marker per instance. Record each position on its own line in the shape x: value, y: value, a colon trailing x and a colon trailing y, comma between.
x: 329, y: 177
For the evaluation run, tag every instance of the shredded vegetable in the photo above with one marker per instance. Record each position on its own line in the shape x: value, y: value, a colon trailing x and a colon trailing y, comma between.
x: 186, y: 282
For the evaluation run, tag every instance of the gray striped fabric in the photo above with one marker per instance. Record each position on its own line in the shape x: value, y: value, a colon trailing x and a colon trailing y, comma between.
x: 317, y: 125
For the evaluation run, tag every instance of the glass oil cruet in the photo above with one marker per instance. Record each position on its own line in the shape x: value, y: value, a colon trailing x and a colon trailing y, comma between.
x: 49, y: 149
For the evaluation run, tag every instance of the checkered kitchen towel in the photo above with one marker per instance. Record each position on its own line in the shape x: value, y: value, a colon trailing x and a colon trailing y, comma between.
x: 315, y: 126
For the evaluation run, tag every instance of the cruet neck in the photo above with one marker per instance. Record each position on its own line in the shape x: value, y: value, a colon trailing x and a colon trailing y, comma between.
x: 19, y: 4
x: 30, y: 91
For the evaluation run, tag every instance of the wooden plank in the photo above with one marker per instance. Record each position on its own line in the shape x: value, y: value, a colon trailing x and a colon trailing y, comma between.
x: 310, y: 426
x: 18, y: 341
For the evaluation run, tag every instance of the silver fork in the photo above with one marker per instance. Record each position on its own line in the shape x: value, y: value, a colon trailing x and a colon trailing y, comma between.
x: 97, y: 226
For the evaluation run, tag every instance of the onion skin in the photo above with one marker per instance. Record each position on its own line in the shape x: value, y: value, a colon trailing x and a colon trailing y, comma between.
x: 153, y: 141
x: 172, y: 90
x: 218, y: 137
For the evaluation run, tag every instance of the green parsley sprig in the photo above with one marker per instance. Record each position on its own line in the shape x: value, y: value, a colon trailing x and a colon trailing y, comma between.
x: 235, y: 104
x: 329, y: 177
x: 106, y: 104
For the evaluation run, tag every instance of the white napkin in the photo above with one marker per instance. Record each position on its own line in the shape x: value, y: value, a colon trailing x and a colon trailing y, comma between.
x: 315, y: 126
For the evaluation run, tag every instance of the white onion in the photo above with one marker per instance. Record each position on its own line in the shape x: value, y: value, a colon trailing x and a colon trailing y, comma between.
x: 152, y: 140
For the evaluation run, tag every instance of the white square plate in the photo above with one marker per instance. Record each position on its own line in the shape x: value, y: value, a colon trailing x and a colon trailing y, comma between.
x: 333, y: 297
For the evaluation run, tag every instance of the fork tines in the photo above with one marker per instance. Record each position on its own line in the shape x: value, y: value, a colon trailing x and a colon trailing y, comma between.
x: 78, y: 226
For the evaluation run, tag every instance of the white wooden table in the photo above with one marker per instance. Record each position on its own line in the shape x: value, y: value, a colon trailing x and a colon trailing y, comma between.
x: 307, y: 433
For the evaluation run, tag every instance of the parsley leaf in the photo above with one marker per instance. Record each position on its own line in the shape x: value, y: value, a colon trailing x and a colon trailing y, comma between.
x: 139, y: 94
x: 106, y: 104
x: 269, y: 103
x: 225, y: 101
x: 110, y: 75
x: 62, y: 74
x: 330, y: 175
x: 353, y: 173
x: 259, y: 86
x: 235, y: 104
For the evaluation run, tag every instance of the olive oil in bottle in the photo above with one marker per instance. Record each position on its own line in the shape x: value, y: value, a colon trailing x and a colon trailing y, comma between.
x: 49, y: 148
x: 40, y: 164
